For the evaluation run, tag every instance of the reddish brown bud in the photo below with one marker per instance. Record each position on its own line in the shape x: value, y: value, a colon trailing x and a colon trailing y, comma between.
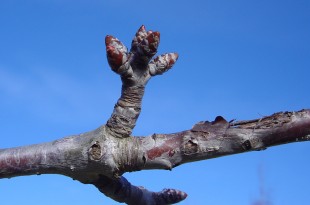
x: 145, y: 43
x: 162, y: 63
x: 140, y: 35
x: 170, y: 196
x: 150, y: 44
x: 116, y: 52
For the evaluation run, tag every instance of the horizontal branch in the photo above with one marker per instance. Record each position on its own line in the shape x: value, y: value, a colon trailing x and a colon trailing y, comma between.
x: 73, y: 156
x: 100, y: 159
x: 219, y: 138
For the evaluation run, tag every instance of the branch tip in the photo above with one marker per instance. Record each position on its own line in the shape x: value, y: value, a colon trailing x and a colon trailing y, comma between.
x: 142, y: 28
x: 116, y: 54
x: 149, y: 44
x: 162, y: 63
x: 139, y: 36
x: 170, y: 196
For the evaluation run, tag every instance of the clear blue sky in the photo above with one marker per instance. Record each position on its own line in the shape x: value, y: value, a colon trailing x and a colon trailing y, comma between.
x: 238, y: 59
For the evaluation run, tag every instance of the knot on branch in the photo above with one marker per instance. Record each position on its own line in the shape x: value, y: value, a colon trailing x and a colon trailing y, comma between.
x: 253, y: 144
x: 190, y: 147
x: 95, y: 152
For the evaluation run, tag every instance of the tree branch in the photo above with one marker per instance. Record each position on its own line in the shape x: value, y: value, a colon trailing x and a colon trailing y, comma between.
x: 101, y: 156
x: 135, y: 68
x: 122, y: 191
x: 220, y: 138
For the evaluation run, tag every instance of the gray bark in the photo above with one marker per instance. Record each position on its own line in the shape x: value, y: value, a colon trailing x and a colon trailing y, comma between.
x: 102, y: 156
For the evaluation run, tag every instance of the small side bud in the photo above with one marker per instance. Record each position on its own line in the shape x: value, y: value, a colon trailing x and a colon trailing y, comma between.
x: 116, y: 53
x: 140, y: 35
x: 145, y: 43
x: 150, y: 44
x: 170, y: 196
x: 162, y: 63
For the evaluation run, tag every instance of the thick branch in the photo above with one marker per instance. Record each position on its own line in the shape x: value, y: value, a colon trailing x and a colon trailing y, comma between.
x: 40, y: 159
x: 82, y: 157
x: 91, y: 158
x: 101, y: 156
x: 219, y: 138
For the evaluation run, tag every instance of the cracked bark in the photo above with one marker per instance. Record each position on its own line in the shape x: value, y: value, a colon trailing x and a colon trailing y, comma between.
x: 100, y: 157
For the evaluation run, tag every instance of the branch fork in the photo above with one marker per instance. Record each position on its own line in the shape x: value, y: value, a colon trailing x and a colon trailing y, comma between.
x: 102, y: 156
x: 135, y: 67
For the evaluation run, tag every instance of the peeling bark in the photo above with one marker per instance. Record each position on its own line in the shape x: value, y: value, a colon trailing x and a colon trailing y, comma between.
x: 102, y: 156
x: 219, y: 138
